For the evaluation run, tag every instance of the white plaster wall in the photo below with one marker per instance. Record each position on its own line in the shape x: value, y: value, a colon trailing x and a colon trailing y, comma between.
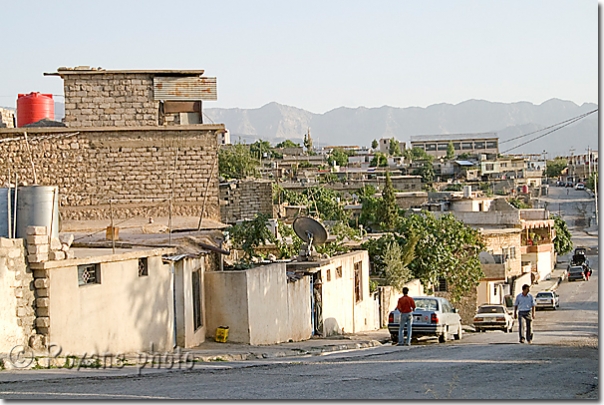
x: 11, y: 333
x: 299, y: 309
x: 187, y: 335
x: 226, y: 303
x: 125, y: 313
x: 518, y: 282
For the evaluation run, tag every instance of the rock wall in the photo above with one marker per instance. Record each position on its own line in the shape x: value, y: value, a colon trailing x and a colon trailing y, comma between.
x: 137, y: 170
x: 7, y: 118
x: 244, y: 199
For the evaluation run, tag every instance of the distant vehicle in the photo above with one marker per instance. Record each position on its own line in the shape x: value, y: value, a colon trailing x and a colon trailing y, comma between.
x: 547, y: 299
x: 433, y: 316
x: 580, y: 186
x: 576, y: 273
x: 569, y: 184
x: 493, y: 317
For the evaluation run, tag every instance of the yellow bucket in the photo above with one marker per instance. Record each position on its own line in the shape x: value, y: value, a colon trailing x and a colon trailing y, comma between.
x: 222, y: 334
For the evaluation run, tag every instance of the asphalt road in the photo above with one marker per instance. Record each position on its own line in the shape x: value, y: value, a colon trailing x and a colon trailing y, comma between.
x: 562, y: 363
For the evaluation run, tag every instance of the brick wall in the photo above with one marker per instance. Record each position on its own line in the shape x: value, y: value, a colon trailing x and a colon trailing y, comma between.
x: 6, y: 118
x: 137, y: 168
x: 106, y: 100
x: 244, y: 199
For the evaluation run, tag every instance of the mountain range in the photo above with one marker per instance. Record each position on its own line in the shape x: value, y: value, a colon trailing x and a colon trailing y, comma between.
x: 516, y: 124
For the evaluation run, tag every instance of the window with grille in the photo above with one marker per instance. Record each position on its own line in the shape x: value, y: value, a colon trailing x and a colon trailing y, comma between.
x: 358, y: 290
x: 339, y: 272
x: 143, y: 268
x: 512, y: 252
x: 89, y: 274
x: 441, y: 285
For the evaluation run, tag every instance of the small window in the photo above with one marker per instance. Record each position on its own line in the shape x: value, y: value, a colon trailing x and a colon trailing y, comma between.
x: 491, y: 144
x: 143, y: 268
x: 512, y: 252
x: 456, y: 145
x: 443, y: 146
x: 89, y: 274
x: 339, y: 272
x: 441, y: 285
x: 466, y: 145
x: 430, y: 147
x: 328, y: 275
x: 479, y: 145
x: 196, y: 295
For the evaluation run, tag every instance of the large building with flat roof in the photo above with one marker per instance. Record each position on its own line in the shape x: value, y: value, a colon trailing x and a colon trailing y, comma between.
x: 436, y: 145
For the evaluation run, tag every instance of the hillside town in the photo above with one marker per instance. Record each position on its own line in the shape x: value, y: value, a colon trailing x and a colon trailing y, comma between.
x: 151, y: 228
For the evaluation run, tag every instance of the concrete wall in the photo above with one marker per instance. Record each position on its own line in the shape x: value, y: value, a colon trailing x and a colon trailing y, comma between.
x: 187, y: 335
x: 491, y: 218
x: 17, y: 300
x: 124, y: 313
x: 258, y: 305
x: 499, y: 242
x: 471, y: 205
x: 341, y: 312
x: 244, y: 199
x: 137, y: 168
x: 541, y: 260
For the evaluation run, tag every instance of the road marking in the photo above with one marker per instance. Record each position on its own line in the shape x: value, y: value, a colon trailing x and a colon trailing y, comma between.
x: 80, y: 394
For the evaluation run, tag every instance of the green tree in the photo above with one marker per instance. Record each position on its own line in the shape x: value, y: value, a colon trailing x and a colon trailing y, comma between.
x: 518, y: 203
x: 450, y: 151
x: 371, y: 205
x: 416, y: 153
x: 288, y: 143
x: 308, y: 141
x: 379, y: 160
x: 338, y: 156
x: 289, y: 244
x: 260, y: 149
x: 236, y: 162
x: 248, y: 235
x: 374, y: 144
x: 389, y: 210
x: 396, y: 262
x: 555, y: 167
x: 394, y: 148
x: 592, y: 181
x: 426, y: 170
x: 562, y: 242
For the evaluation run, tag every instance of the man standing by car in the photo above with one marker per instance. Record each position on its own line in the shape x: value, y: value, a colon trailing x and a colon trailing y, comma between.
x: 406, y: 306
x: 524, y: 308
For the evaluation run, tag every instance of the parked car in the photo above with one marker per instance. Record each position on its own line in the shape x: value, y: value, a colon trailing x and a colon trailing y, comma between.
x: 547, y: 299
x: 576, y: 273
x: 580, y: 186
x: 433, y: 316
x: 493, y: 317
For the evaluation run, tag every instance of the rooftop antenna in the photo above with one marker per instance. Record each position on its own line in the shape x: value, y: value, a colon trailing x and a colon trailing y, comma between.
x: 312, y: 233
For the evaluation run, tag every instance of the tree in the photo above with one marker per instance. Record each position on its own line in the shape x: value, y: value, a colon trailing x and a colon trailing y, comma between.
x: 371, y: 206
x: 416, y: 153
x: 592, y: 182
x: 248, y: 235
x: 389, y: 210
x: 260, y: 149
x: 338, y: 156
x: 426, y: 170
x: 518, y: 203
x: 236, y: 162
x: 394, y: 148
x: 308, y: 141
x: 379, y: 160
x: 562, y: 242
x: 396, y: 262
x: 554, y: 168
x: 287, y: 144
x: 374, y: 144
x: 450, y: 151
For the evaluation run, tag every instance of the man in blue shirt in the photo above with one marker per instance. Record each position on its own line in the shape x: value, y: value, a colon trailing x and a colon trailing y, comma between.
x: 525, y: 307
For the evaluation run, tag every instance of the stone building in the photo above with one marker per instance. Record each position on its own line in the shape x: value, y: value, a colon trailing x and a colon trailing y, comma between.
x: 96, y: 97
x: 7, y: 118
x: 243, y: 199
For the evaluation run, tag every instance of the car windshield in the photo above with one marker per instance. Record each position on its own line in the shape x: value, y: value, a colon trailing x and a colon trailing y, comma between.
x: 426, y: 304
x: 544, y: 294
x: 576, y: 270
x: 491, y: 310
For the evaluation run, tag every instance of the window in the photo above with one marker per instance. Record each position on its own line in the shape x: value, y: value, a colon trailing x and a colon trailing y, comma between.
x: 328, y: 275
x: 478, y: 145
x: 443, y: 146
x: 430, y: 147
x: 495, y: 288
x: 513, y: 252
x: 358, y: 291
x: 491, y: 144
x: 456, y: 145
x: 490, y: 167
x: 441, y: 285
x: 143, y: 268
x: 466, y: 145
x: 89, y: 274
x: 503, y: 164
x: 196, y: 287
x: 339, y: 272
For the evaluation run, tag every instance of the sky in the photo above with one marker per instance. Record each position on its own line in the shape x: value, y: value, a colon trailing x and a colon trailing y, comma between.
x: 317, y: 55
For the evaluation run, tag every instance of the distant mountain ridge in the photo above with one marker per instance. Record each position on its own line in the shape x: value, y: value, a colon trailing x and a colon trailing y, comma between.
x: 359, y: 126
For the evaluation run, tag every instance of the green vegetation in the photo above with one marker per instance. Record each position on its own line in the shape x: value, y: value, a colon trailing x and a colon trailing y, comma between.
x: 250, y: 234
x: 394, y: 148
x: 287, y: 144
x: 236, y: 162
x: 563, y: 241
x: 388, y: 214
x: 555, y: 167
x: 308, y: 142
x: 518, y: 203
x: 379, y: 160
x: 396, y: 262
x: 374, y: 144
x: 450, y: 151
x: 338, y: 156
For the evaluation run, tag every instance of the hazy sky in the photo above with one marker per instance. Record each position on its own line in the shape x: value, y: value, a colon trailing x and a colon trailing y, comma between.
x: 317, y: 55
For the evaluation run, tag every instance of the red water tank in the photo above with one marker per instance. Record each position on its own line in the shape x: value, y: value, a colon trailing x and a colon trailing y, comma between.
x: 34, y: 107
x: 525, y: 189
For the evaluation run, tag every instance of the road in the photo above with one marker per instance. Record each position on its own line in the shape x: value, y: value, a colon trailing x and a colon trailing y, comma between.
x: 562, y: 363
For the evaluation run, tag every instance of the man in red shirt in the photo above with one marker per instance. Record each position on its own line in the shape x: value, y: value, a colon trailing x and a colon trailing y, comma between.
x: 406, y: 306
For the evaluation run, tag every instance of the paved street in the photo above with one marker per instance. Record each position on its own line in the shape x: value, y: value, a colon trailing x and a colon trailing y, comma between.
x: 562, y: 363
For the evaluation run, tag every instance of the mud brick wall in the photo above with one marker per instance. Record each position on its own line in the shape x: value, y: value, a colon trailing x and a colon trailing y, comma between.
x: 138, y: 169
x: 244, y: 199
x: 110, y: 100
x: 6, y: 118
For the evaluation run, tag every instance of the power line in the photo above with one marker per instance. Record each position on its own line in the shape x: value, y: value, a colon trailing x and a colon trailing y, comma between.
x: 552, y: 126
x: 554, y: 130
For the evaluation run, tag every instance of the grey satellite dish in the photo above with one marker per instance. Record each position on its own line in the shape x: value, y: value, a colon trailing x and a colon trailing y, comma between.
x: 310, y: 231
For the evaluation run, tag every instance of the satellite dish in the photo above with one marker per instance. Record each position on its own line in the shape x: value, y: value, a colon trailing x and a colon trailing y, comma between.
x: 310, y: 231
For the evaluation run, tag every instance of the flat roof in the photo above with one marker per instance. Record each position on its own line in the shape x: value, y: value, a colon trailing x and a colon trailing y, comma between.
x: 87, y: 70
x: 453, y: 137
x: 71, y: 130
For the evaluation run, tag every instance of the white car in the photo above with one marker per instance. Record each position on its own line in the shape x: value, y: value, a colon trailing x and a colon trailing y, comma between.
x: 547, y: 299
x: 493, y: 317
x: 580, y: 186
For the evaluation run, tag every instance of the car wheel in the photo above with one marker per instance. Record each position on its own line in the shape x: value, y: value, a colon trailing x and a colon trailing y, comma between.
x: 459, y: 334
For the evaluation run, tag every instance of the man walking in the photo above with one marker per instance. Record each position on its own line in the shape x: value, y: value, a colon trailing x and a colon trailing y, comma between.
x: 406, y: 306
x: 524, y: 310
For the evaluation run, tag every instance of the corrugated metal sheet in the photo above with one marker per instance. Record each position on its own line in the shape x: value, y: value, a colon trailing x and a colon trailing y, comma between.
x: 184, y: 88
